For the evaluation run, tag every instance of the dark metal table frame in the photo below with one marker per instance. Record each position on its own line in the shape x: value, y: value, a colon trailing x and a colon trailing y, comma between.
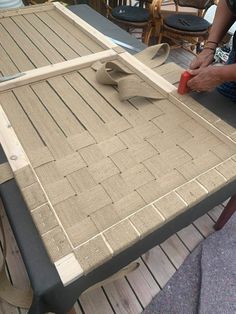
x: 48, y: 290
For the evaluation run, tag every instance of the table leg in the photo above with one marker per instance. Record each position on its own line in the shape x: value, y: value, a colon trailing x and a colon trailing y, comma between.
x: 230, y: 208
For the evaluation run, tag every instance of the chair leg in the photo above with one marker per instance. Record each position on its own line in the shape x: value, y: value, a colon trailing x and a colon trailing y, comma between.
x: 230, y: 208
x: 147, y: 32
x: 159, y: 38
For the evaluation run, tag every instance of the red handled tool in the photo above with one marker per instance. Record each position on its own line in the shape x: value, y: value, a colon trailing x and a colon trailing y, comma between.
x: 183, y: 88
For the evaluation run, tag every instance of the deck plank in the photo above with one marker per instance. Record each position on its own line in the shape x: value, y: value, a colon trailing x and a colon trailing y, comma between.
x: 205, y: 225
x: 175, y: 250
x: 130, y: 294
x: 95, y: 301
x: 122, y: 297
x: 159, y: 265
x: 190, y: 236
x: 143, y: 283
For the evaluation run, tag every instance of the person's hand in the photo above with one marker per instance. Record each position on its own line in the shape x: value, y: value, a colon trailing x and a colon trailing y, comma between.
x: 205, y: 58
x: 204, y: 78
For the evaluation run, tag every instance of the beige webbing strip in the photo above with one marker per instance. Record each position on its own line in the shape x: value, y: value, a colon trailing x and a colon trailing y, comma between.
x: 5, y: 172
x: 12, y: 295
x: 129, y: 85
x: 154, y: 56
x: 134, y: 87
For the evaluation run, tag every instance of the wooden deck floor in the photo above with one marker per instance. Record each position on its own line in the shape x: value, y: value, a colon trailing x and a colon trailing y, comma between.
x: 132, y: 293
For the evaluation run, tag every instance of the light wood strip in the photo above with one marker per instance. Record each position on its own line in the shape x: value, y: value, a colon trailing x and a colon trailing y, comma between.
x: 52, y: 134
x: 57, y: 69
x: 53, y: 38
x: 39, y: 41
x: 62, y: 115
x: 70, y: 40
x: 22, y: 125
x: 26, y: 10
x: 76, y: 31
x: 11, y: 145
x: 15, y: 53
x: 34, y: 55
x: 68, y: 269
x: 87, y: 28
x: 143, y: 71
x: 89, y: 94
x: 122, y: 297
x: 7, y: 66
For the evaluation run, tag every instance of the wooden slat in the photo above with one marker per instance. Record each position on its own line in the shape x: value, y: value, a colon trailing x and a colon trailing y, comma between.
x: 11, y: 145
x: 205, y: 225
x: 95, y: 302
x: 130, y: 113
x: 190, y: 236
x: 52, y: 134
x: 51, y: 37
x: 21, y: 123
x: 62, y: 115
x: 175, y: 250
x: 78, y: 106
x: 159, y: 265
x: 39, y: 41
x: 143, y: 283
x: 65, y: 36
x: 100, y: 106
x: 15, y: 263
x: 26, y: 10
x: 57, y: 69
x: 6, y: 308
x: 215, y: 212
x: 154, y: 79
x: 15, y: 53
x: 76, y: 31
x: 26, y: 45
x: 7, y: 66
x: 122, y: 298
x: 87, y: 28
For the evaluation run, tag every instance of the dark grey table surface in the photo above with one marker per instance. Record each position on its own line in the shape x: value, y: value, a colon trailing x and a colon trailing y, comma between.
x: 106, y: 27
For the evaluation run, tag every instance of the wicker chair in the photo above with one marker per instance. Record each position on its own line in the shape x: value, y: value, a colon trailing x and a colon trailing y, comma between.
x: 185, y: 28
x: 144, y: 16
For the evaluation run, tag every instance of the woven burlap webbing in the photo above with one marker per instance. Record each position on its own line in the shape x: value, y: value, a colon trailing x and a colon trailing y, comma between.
x: 130, y: 85
x: 5, y: 172
x: 105, y: 173
x: 12, y: 295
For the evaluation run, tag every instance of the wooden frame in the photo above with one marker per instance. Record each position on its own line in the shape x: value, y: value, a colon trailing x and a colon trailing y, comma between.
x: 19, y: 161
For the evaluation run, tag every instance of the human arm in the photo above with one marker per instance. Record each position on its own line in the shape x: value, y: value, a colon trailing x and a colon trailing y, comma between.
x: 206, y: 79
x: 222, y: 21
